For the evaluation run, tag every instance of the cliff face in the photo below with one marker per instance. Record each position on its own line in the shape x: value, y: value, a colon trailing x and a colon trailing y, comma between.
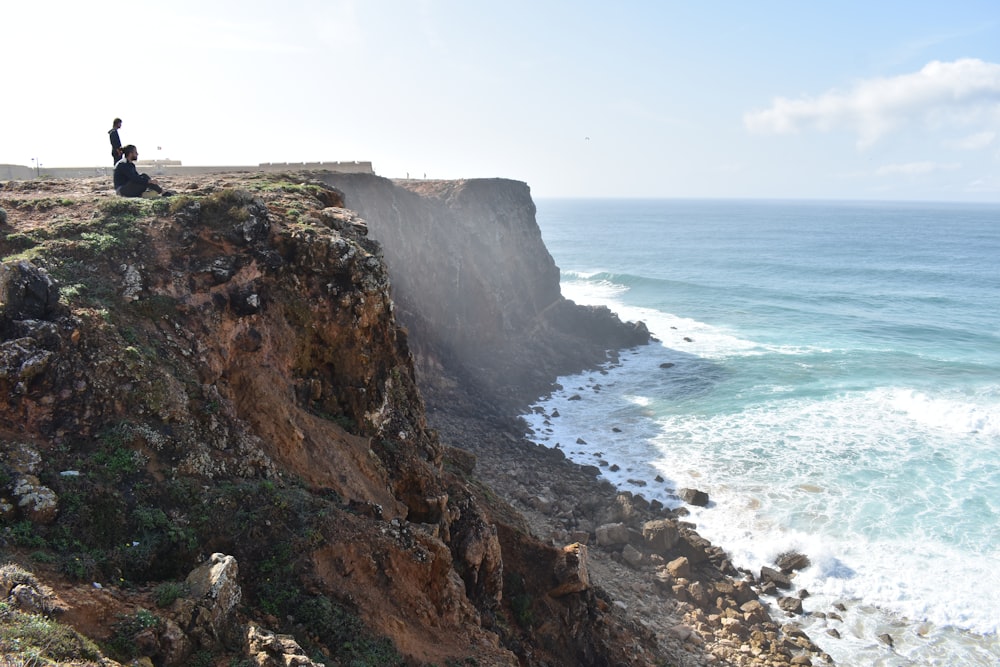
x: 476, y: 287
x: 222, y: 371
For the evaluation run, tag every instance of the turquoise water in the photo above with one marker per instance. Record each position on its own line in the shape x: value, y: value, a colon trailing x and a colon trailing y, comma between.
x: 830, y: 374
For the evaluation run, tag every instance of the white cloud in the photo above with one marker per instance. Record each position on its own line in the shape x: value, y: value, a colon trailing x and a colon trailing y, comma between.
x: 973, y: 142
x: 916, y: 168
x: 941, y: 94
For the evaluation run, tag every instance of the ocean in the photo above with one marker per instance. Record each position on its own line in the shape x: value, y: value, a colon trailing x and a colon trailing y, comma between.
x: 829, y: 372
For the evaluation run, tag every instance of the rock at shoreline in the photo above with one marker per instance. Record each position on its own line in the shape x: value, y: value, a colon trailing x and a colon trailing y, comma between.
x: 792, y: 561
x: 772, y: 576
x: 661, y: 535
x: 694, y: 497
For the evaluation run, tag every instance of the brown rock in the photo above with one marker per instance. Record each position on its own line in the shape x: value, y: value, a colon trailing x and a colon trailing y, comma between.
x: 216, y: 592
x: 791, y: 561
x: 571, y: 571
x: 679, y: 568
x: 612, y: 534
x: 268, y: 649
x: 790, y: 604
x: 632, y: 556
x: 661, y: 535
x: 693, y: 497
x: 779, y: 579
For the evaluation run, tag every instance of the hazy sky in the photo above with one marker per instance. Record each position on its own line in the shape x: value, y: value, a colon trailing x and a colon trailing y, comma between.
x: 793, y: 99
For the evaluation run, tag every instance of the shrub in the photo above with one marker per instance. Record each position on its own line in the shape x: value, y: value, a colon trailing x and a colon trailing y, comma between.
x: 122, y: 642
x: 168, y: 591
x: 42, y: 641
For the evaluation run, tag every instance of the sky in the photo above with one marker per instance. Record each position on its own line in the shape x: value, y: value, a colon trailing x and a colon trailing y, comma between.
x: 874, y: 100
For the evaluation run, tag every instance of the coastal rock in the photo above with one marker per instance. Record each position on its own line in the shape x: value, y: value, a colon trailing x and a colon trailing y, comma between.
x: 790, y: 604
x: 772, y: 576
x: 679, y: 568
x: 753, y: 611
x: 693, y: 497
x: 571, y: 571
x: 661, y: 535
x: 632, y: 556
x: 612, y: 534
x: 792, y: 561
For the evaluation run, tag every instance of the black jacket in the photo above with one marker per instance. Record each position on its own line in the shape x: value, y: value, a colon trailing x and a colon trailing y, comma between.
x: 125, y: 172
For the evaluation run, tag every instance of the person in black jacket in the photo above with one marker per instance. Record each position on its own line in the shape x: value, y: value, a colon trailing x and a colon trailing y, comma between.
x: 116, y: 143
x: 129, y: 182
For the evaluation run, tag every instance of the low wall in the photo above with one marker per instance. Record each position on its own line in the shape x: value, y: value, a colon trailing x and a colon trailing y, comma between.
x: 16, y: 172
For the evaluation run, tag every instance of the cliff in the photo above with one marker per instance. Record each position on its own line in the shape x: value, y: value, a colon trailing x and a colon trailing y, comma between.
x: 270, y: 421
x: 477, y: 289
x: 222, y: 373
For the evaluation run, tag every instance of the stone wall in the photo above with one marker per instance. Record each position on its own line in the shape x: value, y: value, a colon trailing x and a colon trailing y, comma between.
x: 16, y: 172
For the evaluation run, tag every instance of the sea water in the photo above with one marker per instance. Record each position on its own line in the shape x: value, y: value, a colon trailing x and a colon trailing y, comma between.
x: 829, y: 372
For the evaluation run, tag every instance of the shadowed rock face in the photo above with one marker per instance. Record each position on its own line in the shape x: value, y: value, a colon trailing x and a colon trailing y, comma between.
x: 476, y: 287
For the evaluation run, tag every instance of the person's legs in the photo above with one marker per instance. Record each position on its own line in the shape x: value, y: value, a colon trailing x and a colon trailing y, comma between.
x: 133, y: 189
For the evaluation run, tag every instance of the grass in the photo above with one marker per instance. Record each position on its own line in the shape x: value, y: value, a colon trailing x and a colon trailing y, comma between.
x: 37, y: 640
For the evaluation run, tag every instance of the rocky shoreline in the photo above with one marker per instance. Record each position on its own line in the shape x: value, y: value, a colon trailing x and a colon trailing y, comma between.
x: 645, y: 557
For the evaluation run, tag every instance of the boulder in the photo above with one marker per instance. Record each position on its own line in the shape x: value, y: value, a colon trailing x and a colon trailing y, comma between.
x: 791, y: 561
x: 27, y: 292
x: 571, y: 570
x: 693, y: 497
x: 37, y: 502
x: 753, y: 611
x: 632, y: 557
x: 267, y: 649
x: 216, y: 593
x: 790, y: 604
x: 612, y: 534
x: 779, y: 579
x: 661, y: 535
x: 679, y: 568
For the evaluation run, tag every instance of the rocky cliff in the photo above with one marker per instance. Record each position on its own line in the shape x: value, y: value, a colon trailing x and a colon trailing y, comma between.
x: 222, y: 372
x: 476, y: 287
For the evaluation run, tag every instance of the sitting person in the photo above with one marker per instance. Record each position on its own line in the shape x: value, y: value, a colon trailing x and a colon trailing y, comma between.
x: 129, y: 182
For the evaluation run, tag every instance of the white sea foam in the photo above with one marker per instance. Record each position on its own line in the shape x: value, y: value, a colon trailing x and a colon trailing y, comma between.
x: 859, y: 482
x: 979, y: 414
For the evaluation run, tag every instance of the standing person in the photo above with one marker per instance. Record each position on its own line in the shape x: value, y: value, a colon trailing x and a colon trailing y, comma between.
x: 129, y: 182
x: 116, y: 143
